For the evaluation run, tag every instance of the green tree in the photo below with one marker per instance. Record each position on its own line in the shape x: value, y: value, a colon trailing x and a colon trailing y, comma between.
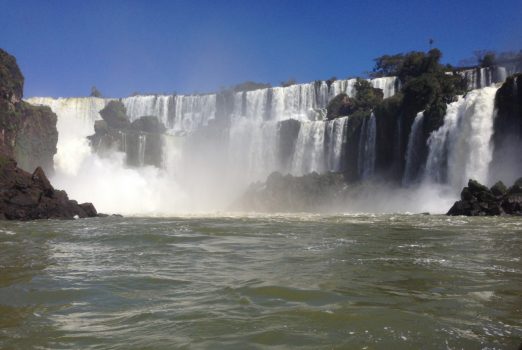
x: 95, y: 92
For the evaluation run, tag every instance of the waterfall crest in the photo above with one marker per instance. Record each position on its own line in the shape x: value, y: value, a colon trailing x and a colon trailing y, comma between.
x: 461, y: 148
x: 413, y: 150
x: 367, y: 148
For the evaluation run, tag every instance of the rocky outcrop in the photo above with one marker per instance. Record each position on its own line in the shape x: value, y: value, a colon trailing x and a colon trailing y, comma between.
x: 340, y: 105
x: 140, y: 140
x: 507, y: 136
x: 287, y: 193
x: 27, y: 133
x: 25, y: 196
x: 478, y: 200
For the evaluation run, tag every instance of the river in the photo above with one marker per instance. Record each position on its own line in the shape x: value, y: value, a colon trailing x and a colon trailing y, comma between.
x: 262, y: 282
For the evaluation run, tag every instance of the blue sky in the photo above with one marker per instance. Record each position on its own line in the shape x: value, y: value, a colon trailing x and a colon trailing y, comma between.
x: 65, y: 47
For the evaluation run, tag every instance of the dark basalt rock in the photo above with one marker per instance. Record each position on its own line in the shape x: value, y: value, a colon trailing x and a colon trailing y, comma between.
x: 478, y: 200
x: 141, y: 140
x: 287, y: 193
x: 27, y: 133
x: 499, y: 189
x: 25, y: 196
x: 340, y: 105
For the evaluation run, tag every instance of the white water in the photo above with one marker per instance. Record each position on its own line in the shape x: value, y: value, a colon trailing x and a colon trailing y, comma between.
x: 309, y: 149
x: 250, y: 146
x: 412, y: 152
x: 335, y: 131
x: 367, y: 148
x: 106, y: 182
x: 483, y: 77
x: 76, y: 118
x: 179, y: 113
x: 461, y: 148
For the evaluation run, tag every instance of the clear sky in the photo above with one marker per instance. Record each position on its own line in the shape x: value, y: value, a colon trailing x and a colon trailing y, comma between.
x: 65, y: 47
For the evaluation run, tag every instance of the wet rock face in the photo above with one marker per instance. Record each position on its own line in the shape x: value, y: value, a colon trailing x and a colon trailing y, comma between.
x: 11, y: 79
x: 27, y: 133
x: 287, y: 193
x: 25, y: 196
x: 141, y: 140
x: 478, y: 200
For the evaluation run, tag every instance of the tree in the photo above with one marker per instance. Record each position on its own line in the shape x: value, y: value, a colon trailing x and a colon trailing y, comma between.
x: 485, y: 58
x: 289, y: 82
x: 95, y: 92
x: 387, y: 65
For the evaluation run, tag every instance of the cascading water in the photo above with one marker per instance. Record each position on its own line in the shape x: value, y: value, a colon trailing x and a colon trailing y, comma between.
x: 106, y: 181
x: 386, y: 84
x: 335, y: 132
x: 478, y: 78
x: 249, y: 145
x: 461, y: 149
x: 413, y: 150
x: 367, y: 148
x: 76, y: 117
x: 179, y: 113
x: 309, y: 149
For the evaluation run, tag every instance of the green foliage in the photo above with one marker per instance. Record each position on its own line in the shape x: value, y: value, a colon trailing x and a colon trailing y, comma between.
x: 409, y: 65
x: 365, y: 100
x: 95, y: 92
x: 488, y: 60
x: 250, y: 86
x: 289, y: 82
x: 387, y: 65
x: 340, y: 105
x: 366, y: 96
x: 426, y: 86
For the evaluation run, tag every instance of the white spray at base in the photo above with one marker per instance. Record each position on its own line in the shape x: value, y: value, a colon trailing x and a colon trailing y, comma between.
x: 107, y: 182
x: 459, y: 150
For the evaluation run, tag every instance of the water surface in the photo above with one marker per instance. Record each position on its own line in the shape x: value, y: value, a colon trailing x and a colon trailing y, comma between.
x: 256, y: 282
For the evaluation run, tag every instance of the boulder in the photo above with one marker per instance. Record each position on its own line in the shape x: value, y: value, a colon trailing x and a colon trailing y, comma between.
x: 499, y: 189
x: 149, y: 124
x: 115, y: 115
x: 25, y: 196
x: 477, y: 200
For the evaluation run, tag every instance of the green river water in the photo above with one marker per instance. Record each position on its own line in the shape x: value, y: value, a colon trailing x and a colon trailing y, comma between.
x: 262, y: 282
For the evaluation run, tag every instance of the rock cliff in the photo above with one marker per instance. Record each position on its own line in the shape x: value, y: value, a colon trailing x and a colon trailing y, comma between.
x: 27, y: 133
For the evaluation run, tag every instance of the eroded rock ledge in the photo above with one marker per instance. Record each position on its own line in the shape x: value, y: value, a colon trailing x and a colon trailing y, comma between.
x: 25, y: 196
x: 478, y: 200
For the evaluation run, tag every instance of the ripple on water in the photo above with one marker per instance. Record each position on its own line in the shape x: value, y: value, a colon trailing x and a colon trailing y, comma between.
x: 307, y: 281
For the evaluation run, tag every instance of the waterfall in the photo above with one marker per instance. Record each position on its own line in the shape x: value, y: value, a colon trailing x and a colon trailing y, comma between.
x: 460, y: 149
x: 243, y: 149
x: 107, y: 181
x: 386, y: 84
x: 76, y: 117
x: 335, y: 133
x: 156, y: 105
x: 179, y: 113
x: 252, y: 149
x: 309, y: 149
x: 142, y: 143
x: 367, y: 148
x: 413, y: 151
x: 478, y: 78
